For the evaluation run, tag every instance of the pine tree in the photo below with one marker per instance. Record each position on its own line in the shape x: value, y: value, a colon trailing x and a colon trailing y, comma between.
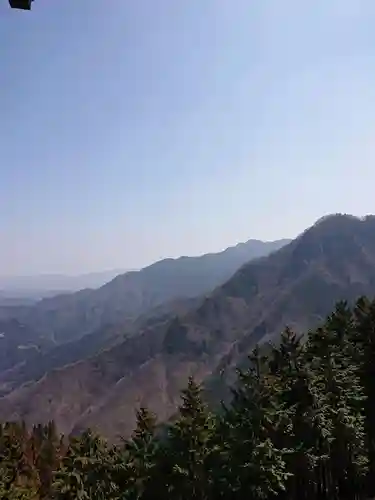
x: 137, y: 460
x: 299, y: 429
x: 252, y: 465
x: 46, y: 449
x: 85, y: 473
x: 337, y: 384
x: 363, y: 339
x: 18, y: 477
x: 187, y: 449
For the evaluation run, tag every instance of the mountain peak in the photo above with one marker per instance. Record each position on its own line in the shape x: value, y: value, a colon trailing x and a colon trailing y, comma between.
x: 338, y: 220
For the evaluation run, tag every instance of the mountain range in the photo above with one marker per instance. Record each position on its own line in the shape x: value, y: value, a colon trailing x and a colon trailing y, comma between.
x: 203, y: 333
x: 72, y: 326
x: 69, y: 316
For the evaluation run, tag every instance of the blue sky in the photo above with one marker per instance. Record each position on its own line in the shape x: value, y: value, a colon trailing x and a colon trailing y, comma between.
x: 136, y: 130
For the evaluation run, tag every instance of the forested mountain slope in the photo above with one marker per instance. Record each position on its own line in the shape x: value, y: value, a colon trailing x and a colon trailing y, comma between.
x: 297, y: 285
x: 299, y: 426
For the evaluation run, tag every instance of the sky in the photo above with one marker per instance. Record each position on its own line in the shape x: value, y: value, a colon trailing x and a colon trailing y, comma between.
x: 133, y: 130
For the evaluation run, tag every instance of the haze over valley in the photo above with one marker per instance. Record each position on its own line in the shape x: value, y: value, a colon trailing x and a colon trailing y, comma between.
x: 21, y: 289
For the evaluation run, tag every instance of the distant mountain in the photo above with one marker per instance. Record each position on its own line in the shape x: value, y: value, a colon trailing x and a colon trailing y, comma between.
x: 46, y: 285
x: 296, y: 285
x: 71, y: 316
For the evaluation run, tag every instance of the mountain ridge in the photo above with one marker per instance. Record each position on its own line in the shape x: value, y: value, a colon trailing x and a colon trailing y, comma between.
x: 75, y: 326
x: 72, y: 315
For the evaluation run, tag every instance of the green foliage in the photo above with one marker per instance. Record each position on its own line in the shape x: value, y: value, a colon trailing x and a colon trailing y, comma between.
x: 187, y: 449
x: 137, y: 459
x: 252, y: 462
x: 85, y: 471
x: 300, y: 426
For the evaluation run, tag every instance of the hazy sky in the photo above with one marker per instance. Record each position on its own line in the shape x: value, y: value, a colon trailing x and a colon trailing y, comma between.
x: 132, y: 130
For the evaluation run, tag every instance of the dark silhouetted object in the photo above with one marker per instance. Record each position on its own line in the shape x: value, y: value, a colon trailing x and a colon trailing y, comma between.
x: 20, y: 4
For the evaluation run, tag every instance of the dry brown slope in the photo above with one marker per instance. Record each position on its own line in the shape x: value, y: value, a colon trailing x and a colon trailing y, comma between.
x: 299, y: 284
x: 103, y: 391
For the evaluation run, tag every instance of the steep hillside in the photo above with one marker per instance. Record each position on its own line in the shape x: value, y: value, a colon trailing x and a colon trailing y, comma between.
x: 18, y: 343
x: 32, y: 368
x: 297, y: 285
x: 71, y: 316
